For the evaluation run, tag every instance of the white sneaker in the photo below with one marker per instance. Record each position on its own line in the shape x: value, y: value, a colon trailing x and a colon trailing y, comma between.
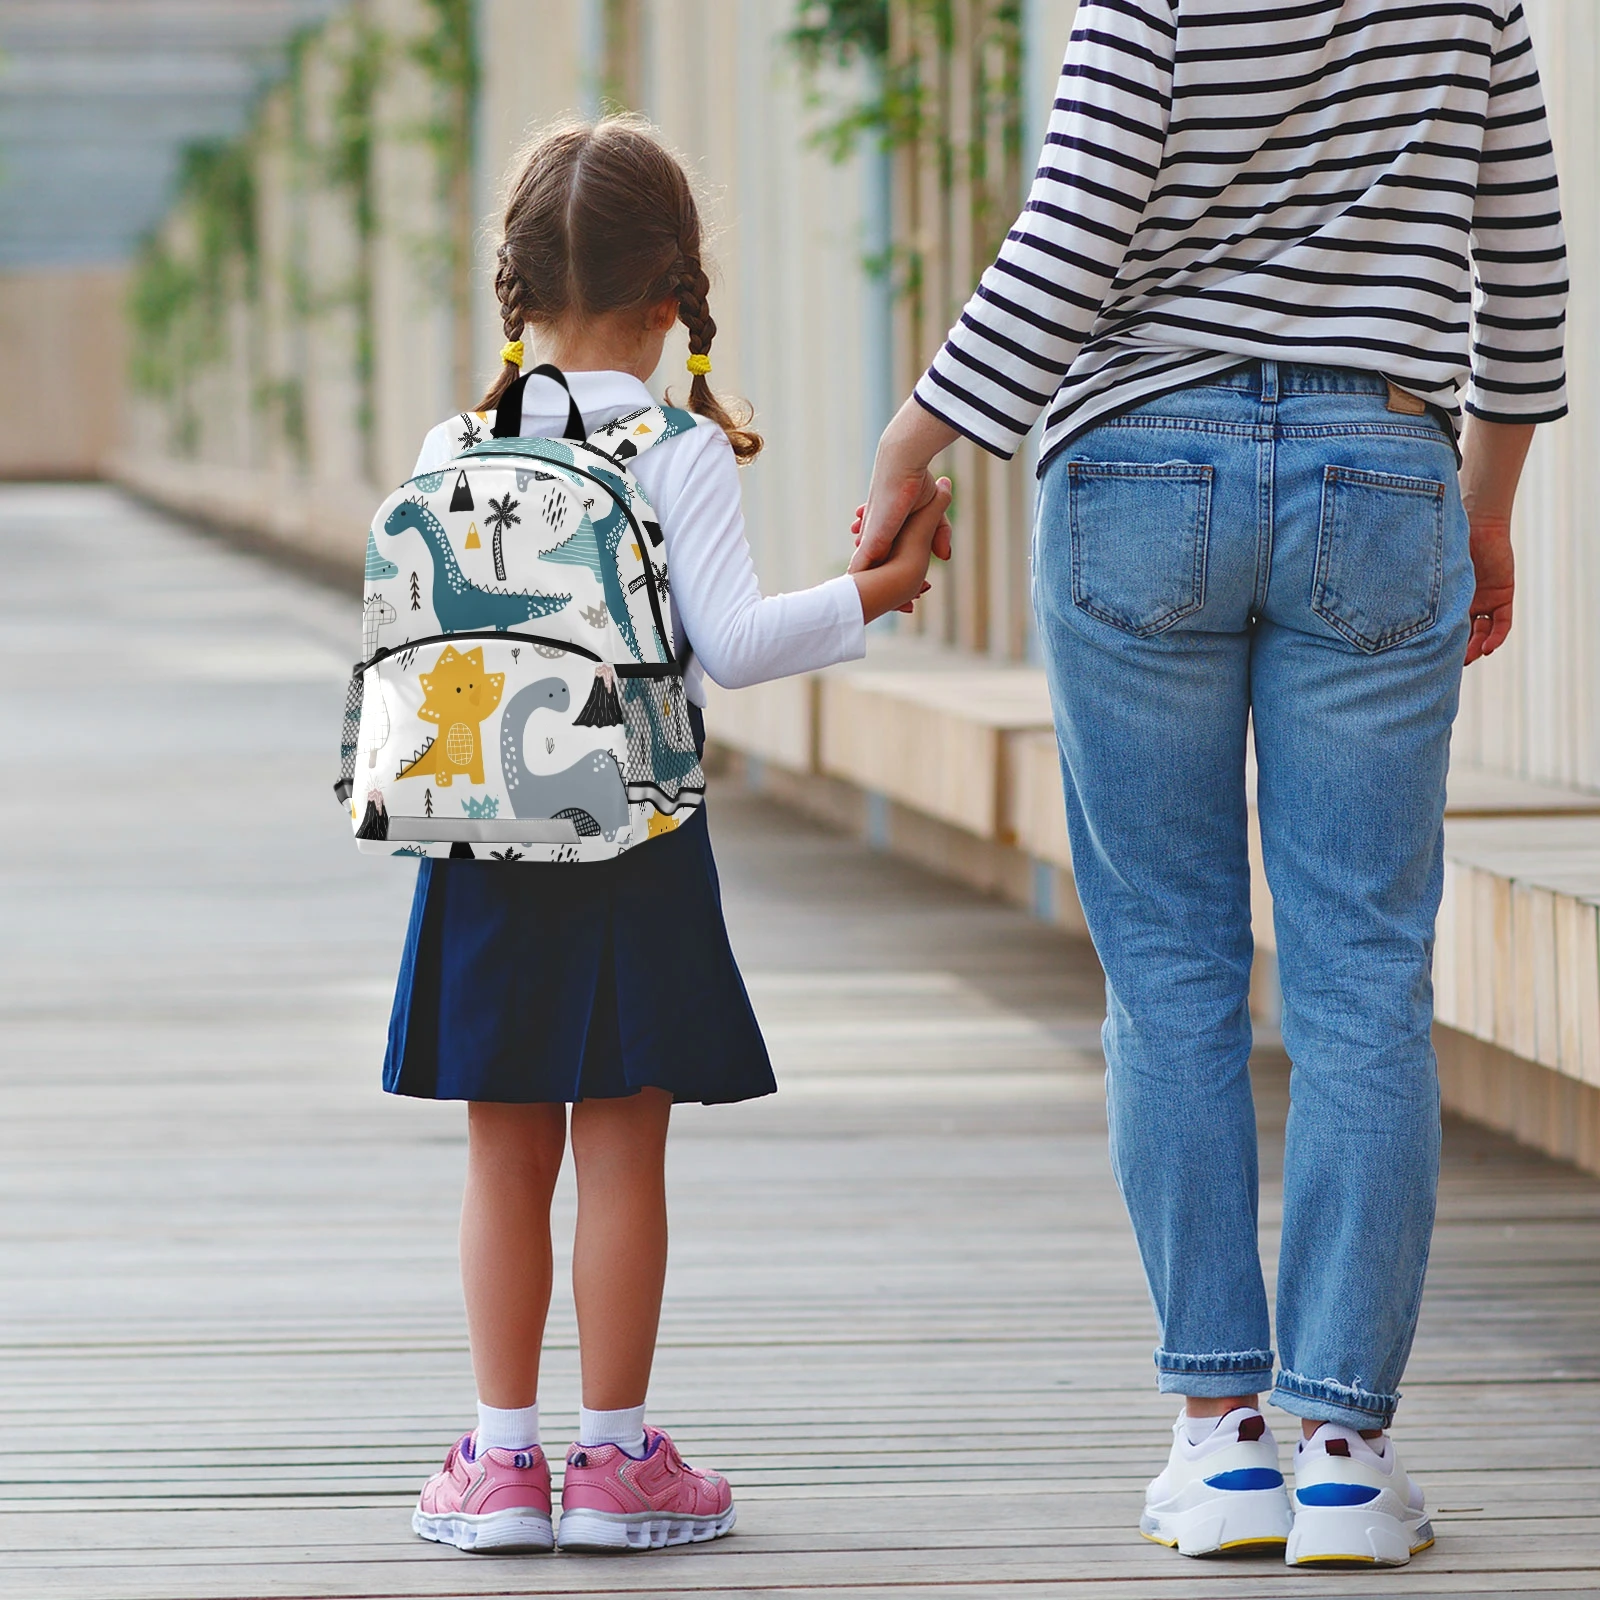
x: 1353, y: 1501
x: 1225, y: 1493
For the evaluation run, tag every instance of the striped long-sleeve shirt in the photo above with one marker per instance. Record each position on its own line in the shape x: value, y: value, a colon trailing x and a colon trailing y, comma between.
x: 1355, y: 183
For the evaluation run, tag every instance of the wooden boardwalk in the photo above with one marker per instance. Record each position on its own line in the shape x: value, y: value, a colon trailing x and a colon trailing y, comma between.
x: 904, y: 1312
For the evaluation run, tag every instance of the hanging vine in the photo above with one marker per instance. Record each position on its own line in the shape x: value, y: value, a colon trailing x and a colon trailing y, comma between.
x: 349, y: 163
x: 935, y: 86
x: 283, y: 397
x: 844, y: 34
x: 447, y: 54
x: 185, y: 279
x: 903, y: 53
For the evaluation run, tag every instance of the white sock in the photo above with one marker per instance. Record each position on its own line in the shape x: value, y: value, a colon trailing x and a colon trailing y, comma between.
x: 517, y: 1429
x: 623, y: 1428
x: 1198, y: 1429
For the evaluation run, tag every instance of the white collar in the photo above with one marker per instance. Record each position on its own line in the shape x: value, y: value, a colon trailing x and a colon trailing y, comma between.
x: 602, y: 397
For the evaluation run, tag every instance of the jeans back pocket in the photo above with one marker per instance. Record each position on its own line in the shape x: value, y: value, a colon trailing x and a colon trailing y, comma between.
x: 1139, y: 539
x: 1380, y: 556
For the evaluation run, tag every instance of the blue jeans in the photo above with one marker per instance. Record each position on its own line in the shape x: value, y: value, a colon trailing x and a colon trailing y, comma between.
x: 1274, y: 547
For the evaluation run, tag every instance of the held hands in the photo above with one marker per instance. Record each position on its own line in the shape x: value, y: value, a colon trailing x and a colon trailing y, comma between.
x: 902, y: 485
x: 905, y: 508
x: 901, y: 576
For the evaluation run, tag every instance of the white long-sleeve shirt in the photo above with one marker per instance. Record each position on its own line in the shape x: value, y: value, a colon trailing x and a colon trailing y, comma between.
x: 1353, y: 183
x: 739, y: 636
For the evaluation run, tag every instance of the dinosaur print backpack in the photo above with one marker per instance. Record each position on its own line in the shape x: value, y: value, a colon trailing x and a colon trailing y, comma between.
x: 519, y: 697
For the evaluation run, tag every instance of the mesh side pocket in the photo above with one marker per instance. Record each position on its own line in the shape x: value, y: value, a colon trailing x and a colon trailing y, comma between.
x: 674, y: 709
x: 350, y: 737
x: 661, y: 748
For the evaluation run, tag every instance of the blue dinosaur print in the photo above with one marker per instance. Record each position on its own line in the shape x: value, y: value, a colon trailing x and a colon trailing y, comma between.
x: 605, y: 529
x: 461, y: 606
x: 596, y: 542
x: 609, y: 533
x: 377, y: 566
x: 582, y: 549
x: 428, y: 482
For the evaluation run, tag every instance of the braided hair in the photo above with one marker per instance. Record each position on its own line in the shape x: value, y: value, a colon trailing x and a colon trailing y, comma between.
x: 601, y: 218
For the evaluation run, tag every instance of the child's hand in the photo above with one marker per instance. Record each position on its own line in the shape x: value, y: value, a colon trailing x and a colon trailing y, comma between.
x: 900, y: 578
x: 942, y: 554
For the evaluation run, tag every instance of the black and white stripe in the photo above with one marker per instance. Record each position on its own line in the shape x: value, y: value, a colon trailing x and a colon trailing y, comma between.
x: 1356, y: 183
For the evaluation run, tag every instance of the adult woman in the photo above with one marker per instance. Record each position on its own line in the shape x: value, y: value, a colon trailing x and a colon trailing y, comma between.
x: 1240, y: 292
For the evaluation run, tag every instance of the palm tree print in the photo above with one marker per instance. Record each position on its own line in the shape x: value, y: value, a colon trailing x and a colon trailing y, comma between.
x: 500, y: 515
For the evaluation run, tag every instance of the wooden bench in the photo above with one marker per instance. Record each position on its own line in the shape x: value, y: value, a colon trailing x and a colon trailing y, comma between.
x: 925, y: 752
x: 952, y: 761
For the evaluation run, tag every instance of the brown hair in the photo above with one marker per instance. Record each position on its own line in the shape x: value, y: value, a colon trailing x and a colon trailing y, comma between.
x: 600, y: 218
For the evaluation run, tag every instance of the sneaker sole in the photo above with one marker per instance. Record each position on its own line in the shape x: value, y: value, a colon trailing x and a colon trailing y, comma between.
x: 1355, y: 1537
x: 638, y: 1530
x: 1234, y: 1521
x: 497, y: 1531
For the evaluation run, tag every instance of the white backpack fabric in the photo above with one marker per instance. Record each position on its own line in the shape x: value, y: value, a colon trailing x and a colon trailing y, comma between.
x: 519, y: 696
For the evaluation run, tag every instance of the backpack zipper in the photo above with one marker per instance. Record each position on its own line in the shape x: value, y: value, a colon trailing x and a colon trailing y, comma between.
x: 624, y: 669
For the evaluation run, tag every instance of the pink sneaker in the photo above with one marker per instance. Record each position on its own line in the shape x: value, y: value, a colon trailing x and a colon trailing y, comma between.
x: 613, y: 1501
x: 499, y: 1500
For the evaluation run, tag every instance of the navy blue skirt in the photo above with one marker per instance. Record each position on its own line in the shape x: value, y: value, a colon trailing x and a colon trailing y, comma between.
x: 536, y: 983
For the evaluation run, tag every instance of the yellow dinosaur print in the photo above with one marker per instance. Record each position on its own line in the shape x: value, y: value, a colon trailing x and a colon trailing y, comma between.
x: 457, y: 695
x: 660, y: 824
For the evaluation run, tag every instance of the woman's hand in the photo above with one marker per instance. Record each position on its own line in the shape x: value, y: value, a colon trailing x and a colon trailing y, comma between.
x: 895, y: 582
x: 902, y: 485
x: 1491, y: 463
x: 1494, y: 568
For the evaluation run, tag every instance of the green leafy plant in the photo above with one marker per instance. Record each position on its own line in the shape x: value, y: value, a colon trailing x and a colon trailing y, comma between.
x: 895, y: 99
x: 185, y: 278
x: 349, y: 163
x: 841, y: 31
x: 845, y: 34
x: 217, y: 185
x: 447, y: 53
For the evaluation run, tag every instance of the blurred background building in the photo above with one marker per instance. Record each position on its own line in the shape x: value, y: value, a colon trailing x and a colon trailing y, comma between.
x: 243, y: 250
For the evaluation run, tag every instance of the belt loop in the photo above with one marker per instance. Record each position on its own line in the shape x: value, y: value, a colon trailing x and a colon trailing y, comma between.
x: 1269, y: 383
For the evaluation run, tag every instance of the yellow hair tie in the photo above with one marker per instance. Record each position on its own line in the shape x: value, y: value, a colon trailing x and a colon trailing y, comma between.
x: 699, y: 365
x: 511, y: 353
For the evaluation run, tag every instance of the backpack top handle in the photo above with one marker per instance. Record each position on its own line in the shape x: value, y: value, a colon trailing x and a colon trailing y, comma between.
x: 508, y: 411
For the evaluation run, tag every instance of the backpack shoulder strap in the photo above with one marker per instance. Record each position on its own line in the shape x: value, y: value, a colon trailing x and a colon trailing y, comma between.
x: 629, y: 437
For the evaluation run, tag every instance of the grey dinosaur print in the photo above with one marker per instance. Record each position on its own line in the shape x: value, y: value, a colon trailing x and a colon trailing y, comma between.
x: 590, y: 793
x: 461, y: 606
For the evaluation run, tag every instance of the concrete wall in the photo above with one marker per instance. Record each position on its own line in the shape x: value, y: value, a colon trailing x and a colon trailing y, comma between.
x: 63, y: 356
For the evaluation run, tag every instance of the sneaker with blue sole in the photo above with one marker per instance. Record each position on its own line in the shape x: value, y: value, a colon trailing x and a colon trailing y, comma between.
x: 1354, y: 1504
x: 1223, y: 1495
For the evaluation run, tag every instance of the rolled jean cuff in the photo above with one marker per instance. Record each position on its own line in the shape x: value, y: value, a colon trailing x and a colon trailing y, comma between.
x: 1323, y: 1400
x: 1216, y: 1376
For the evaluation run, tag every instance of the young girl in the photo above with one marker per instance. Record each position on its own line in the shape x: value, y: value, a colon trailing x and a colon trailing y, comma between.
x: 527, y: 988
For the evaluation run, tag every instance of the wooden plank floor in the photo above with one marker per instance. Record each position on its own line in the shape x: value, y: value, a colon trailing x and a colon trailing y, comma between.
x: 904, y: 1312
